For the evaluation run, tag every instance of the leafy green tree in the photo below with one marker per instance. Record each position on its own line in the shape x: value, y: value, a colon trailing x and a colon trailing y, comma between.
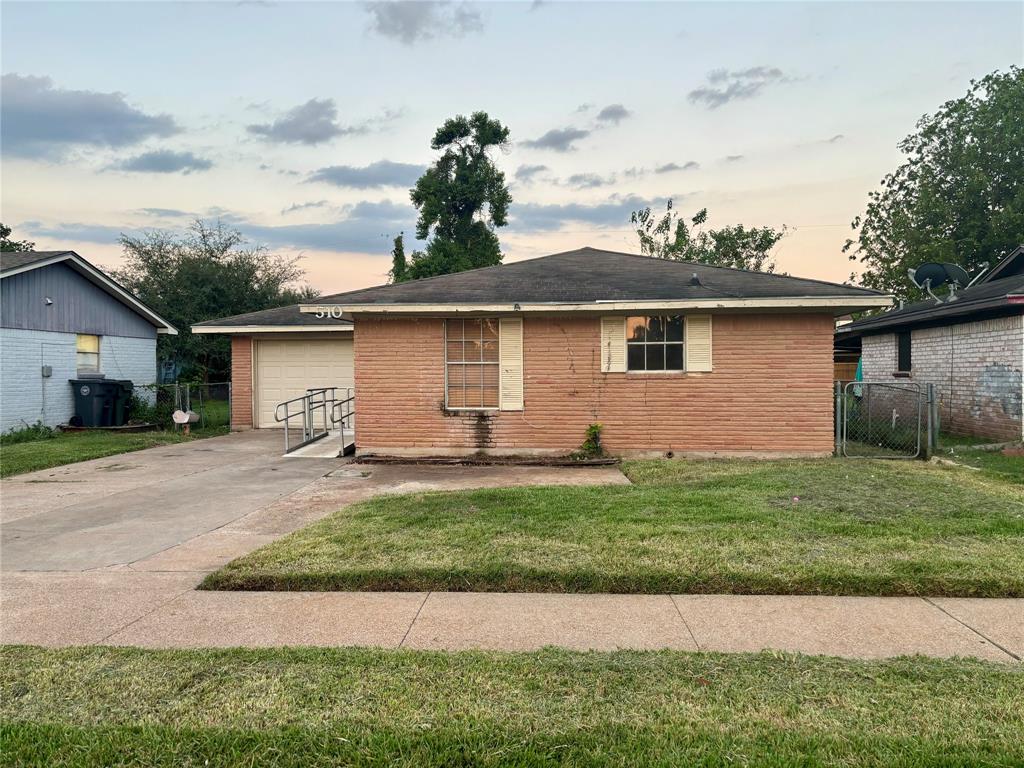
x: 399, y: 266
x: 461, y: 199
x: 669, y: 237
x: 208, y: 272
x: 12, y: 246
x: 959, y: 197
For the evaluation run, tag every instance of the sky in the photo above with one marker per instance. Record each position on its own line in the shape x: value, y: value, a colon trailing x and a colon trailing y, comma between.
x: 303, y: 125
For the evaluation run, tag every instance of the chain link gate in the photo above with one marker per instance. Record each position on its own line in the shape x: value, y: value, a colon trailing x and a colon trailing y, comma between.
x: 885, y: 420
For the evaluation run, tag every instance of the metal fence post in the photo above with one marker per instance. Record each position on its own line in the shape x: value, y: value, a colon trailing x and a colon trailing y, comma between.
x: 839, y: 418
x: 933, y: 429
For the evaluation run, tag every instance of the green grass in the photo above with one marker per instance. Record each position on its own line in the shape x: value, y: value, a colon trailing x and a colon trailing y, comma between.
x: 828, y: 526
x: 302, y: 707
x: 71, y: 447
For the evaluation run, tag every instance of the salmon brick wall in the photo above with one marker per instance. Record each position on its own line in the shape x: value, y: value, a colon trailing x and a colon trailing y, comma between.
x: 241, y: 382
x: 770, y: 391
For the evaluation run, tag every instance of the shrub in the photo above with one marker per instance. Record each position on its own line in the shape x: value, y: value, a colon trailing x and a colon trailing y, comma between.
x: 28, y: 433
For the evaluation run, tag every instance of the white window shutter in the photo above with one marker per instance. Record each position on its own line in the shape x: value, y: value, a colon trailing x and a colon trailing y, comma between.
x: 510, y: 351
x: 698, y: 342
x: 613, y: 344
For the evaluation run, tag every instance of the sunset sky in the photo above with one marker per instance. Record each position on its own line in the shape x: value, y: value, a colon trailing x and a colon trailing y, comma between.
x: 305, y: 124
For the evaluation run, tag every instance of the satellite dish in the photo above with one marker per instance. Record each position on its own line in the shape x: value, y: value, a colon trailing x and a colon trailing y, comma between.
x: 931, y: 273
x: 957, y: 274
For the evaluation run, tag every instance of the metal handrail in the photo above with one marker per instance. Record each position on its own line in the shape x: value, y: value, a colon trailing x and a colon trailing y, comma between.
x: 319, y: 404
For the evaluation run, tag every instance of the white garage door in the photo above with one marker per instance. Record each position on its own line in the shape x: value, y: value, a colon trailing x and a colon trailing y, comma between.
x: 286, y: 368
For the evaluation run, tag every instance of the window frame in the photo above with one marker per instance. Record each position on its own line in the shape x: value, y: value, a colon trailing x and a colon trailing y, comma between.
x: 904, y: 337
x: 79, y: 368
x: 496, y: 363
x: 664, y: 344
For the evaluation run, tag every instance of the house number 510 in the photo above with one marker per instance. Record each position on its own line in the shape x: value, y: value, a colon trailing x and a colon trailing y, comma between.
x: 332, y: 312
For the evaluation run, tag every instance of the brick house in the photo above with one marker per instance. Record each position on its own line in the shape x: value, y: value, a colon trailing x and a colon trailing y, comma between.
x: 62, y: 318
x: 971, y: 348
x: 669, y: 357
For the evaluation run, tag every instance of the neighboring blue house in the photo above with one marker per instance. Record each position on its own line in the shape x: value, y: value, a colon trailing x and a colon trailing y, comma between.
x: 62, y: 318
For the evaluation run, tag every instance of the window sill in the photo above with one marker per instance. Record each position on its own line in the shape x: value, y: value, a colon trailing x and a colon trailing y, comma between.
x: 461, y: 411
x: 901, y: 374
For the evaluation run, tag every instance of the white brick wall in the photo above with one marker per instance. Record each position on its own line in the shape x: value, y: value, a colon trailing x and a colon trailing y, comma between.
x: 26, y: 397
x: 976, y: 368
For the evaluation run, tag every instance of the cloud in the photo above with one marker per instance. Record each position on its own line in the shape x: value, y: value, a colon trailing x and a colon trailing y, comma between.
x: 311, y: 123
x: 165, y: 213
x: 589, y: 180
x: 413, y: 21
x: 558, y: 139
x: 304, y: 206
x: 733, y: 158
x: 382, y: 173
x: 525, y: 173
x: 614, y: 212
x: 690, y: 165
x: 585, y: 107
x: 364, y: 227
x: 164, y: 161
x: 835, y: 139
x: 38, y: 120
x: 725, y: 85
x: 613, y: 113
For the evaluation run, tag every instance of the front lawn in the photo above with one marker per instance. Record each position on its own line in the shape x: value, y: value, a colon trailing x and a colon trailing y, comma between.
x: 70, y: 447
x: 297, y: 707
x: 827, y: 526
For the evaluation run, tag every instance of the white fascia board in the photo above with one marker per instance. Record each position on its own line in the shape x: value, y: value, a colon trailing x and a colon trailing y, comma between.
x: 270, y: 328
x: 96, y: 276
x: 845, y: 303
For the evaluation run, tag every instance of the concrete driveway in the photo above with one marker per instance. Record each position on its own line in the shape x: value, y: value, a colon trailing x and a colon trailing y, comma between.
x: 122, y: 509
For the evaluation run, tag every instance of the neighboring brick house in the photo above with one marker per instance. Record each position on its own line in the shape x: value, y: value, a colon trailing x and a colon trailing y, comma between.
x: 970, y: 348
x: 62, y: 318
x: 669, y: 357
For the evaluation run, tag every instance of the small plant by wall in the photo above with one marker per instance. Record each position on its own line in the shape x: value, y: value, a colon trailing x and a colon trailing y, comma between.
x: 591, y: 447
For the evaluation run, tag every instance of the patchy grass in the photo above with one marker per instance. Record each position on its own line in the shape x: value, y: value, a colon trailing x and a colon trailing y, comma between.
x: 298, y: 707
x: 994, y: 464
x: 71, y: 447
x: 777, y: 527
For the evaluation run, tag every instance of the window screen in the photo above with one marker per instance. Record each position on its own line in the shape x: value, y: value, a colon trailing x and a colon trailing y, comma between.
x: 903, y: 361
x: 654, y: 343
x: 471, y: 363
x: 87, y: 352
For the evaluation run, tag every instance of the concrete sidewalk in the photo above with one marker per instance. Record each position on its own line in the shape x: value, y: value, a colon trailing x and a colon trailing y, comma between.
x: 163, y: 610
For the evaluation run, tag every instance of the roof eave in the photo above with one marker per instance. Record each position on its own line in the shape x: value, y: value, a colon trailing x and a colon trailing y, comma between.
x: 248, y: 329
x: 930, y: 315
x: 837, y: 304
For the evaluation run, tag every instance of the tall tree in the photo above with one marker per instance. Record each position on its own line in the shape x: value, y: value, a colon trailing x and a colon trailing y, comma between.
x: 959, y: 197
x: 669, y: 237
x: 209, y: 271
x: 399, y: 266
x: 12, y: 246
x: 461, y: 199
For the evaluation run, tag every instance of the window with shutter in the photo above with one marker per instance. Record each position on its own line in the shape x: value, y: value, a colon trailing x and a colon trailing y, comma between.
x: 510, y: 346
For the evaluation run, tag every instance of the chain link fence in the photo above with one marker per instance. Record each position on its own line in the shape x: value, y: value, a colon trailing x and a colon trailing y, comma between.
x: 884, y: 420
x: 155, y: 404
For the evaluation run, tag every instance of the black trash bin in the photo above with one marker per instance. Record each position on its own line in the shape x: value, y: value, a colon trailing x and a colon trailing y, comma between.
x: 123, y: 403
x: 95, y: 402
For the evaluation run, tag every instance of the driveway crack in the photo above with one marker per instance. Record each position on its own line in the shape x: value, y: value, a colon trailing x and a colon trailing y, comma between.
x: 683, y: 619
x: 984, y: 637
x: 414, y: 618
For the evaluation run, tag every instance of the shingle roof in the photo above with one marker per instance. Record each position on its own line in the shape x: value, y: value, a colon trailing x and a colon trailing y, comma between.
x: 591, y: 275
x: 16, y: 259
x: 279, y: 316
x: 986, y: 297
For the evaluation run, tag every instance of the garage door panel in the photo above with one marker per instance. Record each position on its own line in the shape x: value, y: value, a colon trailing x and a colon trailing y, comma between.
x: 286, y: 369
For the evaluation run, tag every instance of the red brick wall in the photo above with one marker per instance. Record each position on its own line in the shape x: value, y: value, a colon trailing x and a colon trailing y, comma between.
x: 241, y: 382
x: 770, y: 391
